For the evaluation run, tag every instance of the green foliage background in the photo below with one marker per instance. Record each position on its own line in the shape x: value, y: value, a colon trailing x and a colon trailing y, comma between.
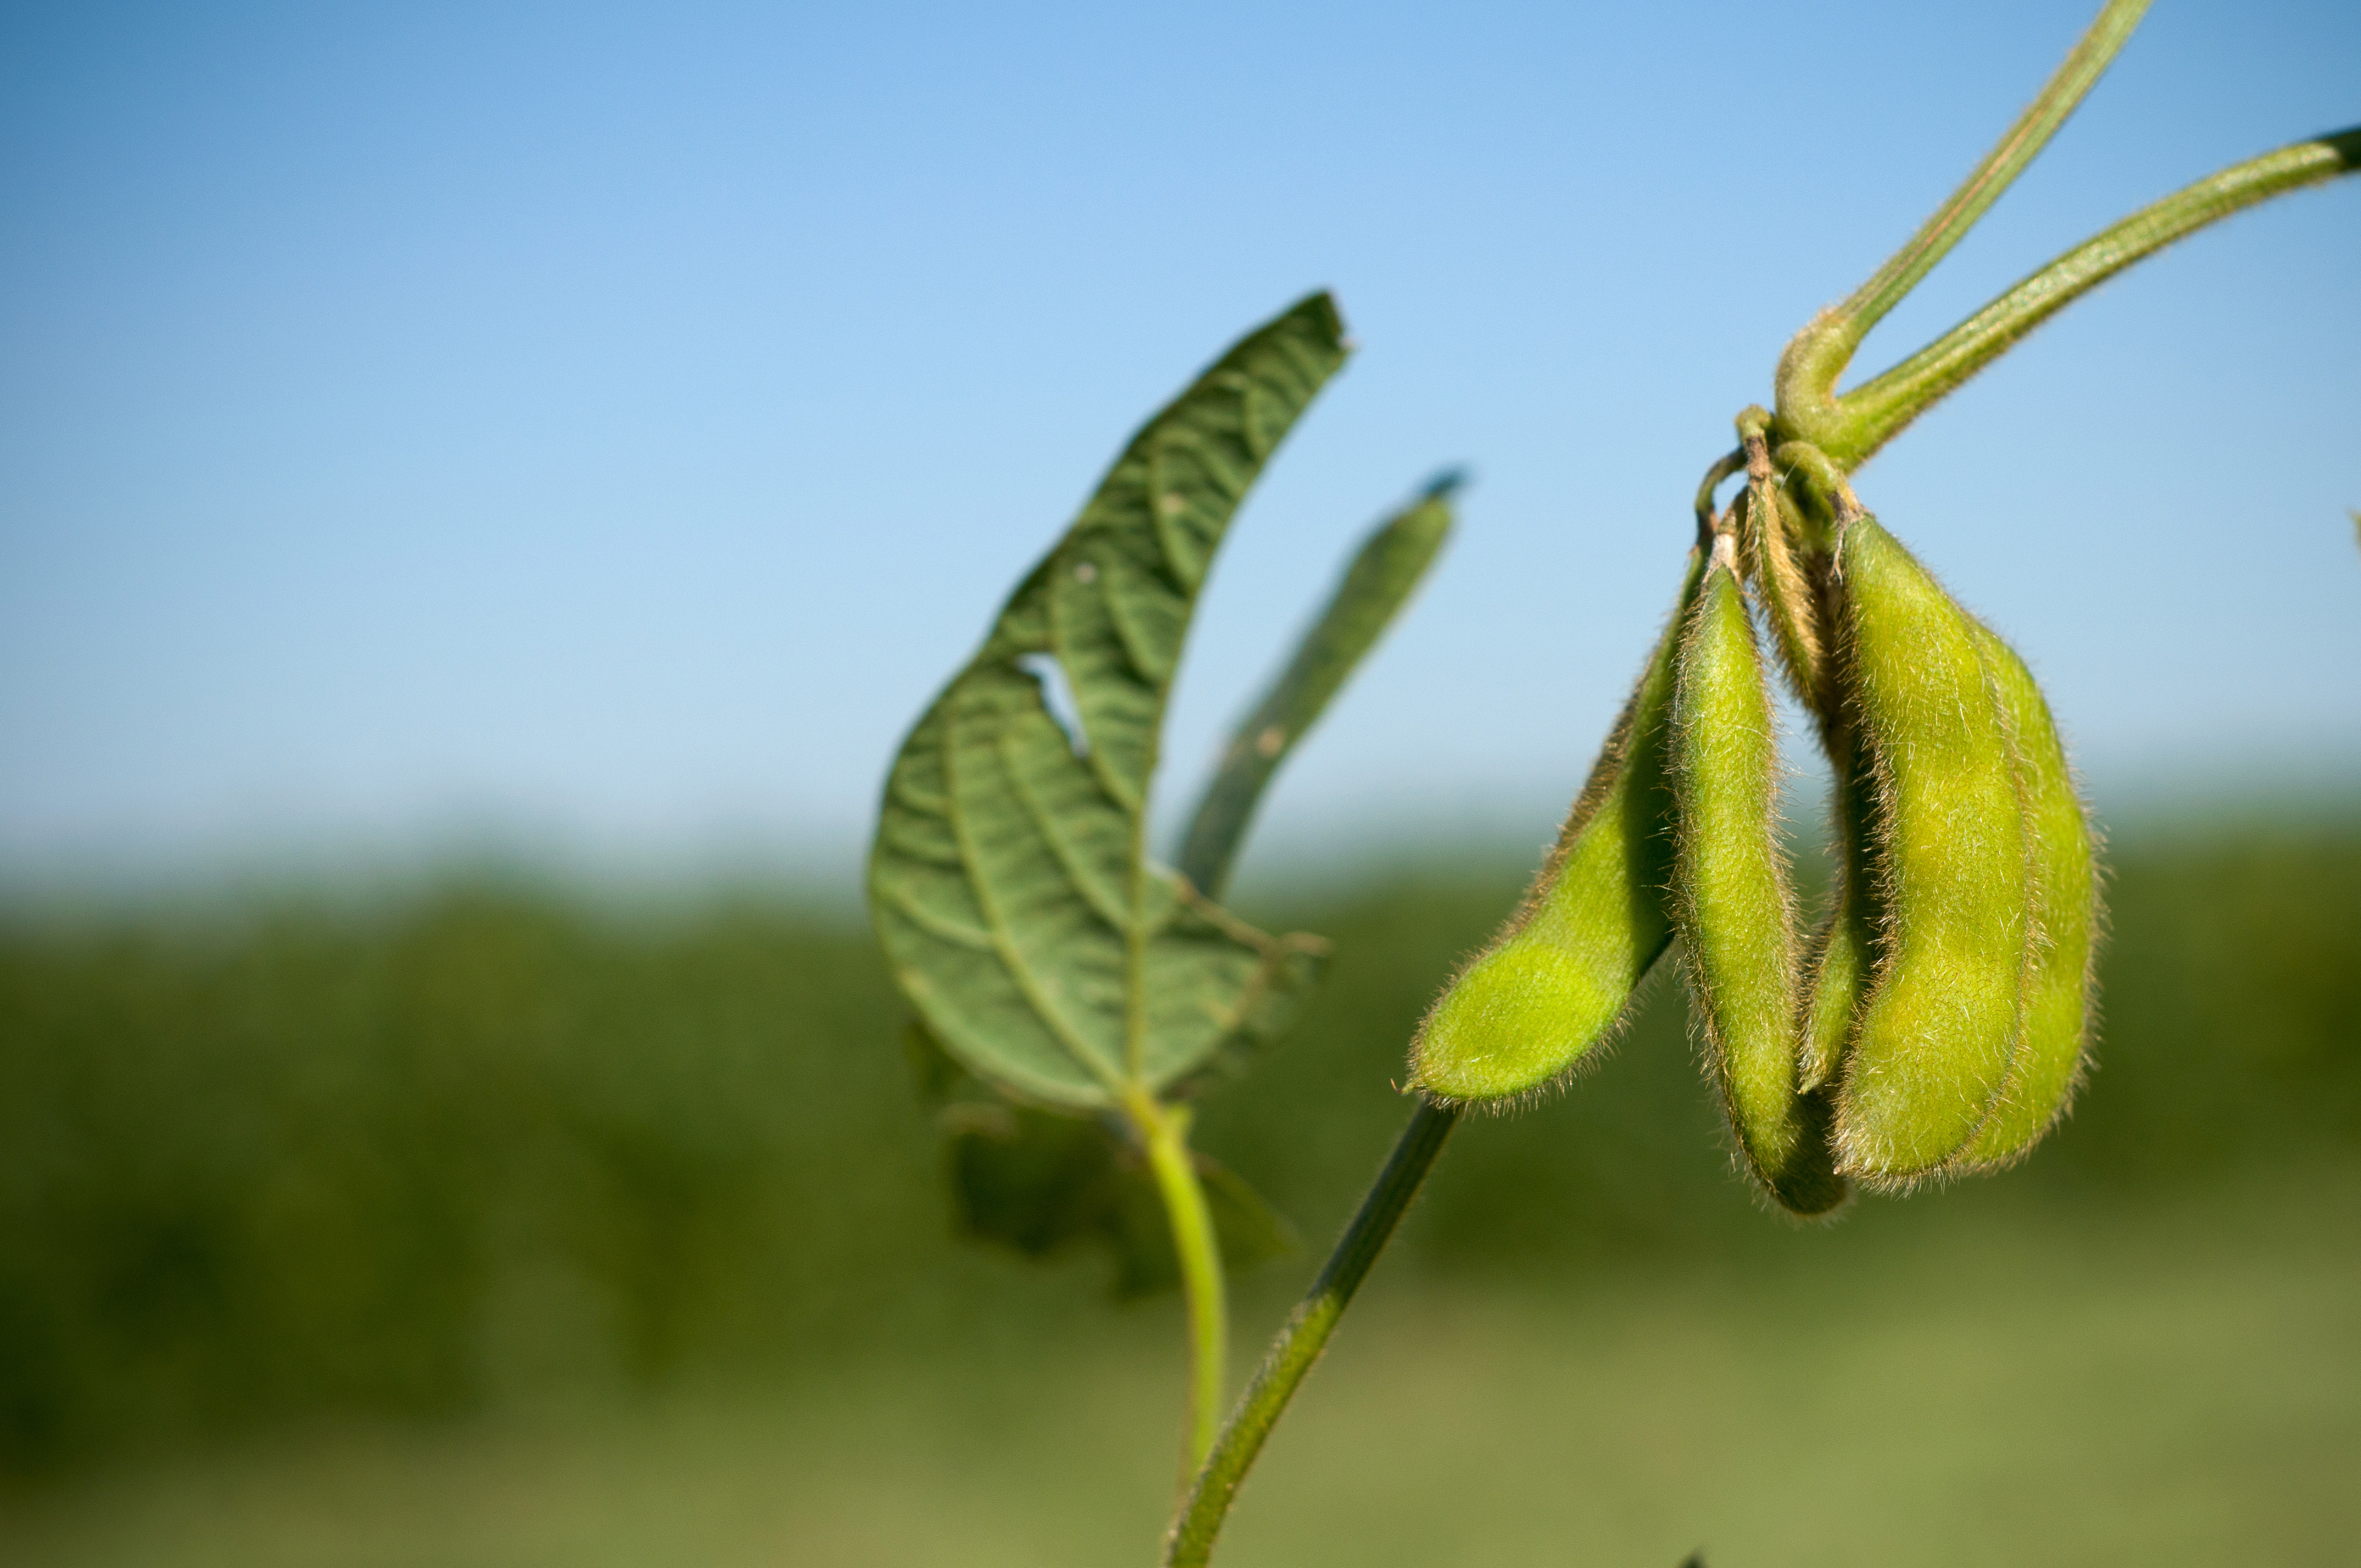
x: 426, y: 1156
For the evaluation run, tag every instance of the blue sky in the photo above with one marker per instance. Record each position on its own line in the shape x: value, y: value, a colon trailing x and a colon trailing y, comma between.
x: 603, y: 426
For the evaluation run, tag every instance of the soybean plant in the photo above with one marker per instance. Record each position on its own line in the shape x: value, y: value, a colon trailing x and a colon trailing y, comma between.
x: 1073, y: 996
x: 1057, y: 972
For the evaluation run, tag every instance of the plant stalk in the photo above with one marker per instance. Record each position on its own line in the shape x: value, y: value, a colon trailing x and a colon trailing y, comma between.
x: 1812, y: 363
x: 1389, y: 565
x: 1724, y: 466
x: 1191, y: 1540
x: 1873, y: 413
x: 1164, y: 1131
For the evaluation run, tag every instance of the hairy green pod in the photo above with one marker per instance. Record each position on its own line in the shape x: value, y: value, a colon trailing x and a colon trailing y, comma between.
x: 2055, y: 1025
x: 1940, y: 1023
x: 1844, y: 954
x: 1791, y: 581
x: 1733, y: 905
x: 1559, y: 974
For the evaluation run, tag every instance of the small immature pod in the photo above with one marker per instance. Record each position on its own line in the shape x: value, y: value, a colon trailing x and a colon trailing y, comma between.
x: 1732, y: 906
x: 1775, y: 561
x: 1557, y: 977
x: 1936, y: 1030
x: 2054, y: 1027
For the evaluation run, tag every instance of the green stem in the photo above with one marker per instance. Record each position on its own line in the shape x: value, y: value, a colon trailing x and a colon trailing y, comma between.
x: 1822, y: 488
x: 1728, y: 464
x: 1812, y: 363
x: 1299, y: 1345
x: 1374, y: 587
x: 1164, y: 1129
x: 1874, y: 413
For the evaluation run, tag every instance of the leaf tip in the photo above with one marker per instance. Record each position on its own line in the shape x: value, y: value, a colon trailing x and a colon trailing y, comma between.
x: 1446, y: 483
x: 1321, y: 308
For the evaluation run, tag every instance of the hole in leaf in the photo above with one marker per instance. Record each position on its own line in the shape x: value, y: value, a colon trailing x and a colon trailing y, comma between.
x: 1057, y: 697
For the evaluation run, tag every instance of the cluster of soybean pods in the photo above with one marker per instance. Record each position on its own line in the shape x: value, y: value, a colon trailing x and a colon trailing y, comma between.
x: 1938, y: 1021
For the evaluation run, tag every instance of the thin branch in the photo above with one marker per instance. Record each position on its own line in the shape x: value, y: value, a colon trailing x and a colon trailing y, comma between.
x: 1874, y: 413
x: 1299, y: 1345
x: 1165, y: 1132
x: 1812, y: 363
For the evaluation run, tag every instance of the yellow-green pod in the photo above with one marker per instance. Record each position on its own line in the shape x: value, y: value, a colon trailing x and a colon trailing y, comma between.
x: 1936, y: 1032
x: 1844, y: 954
x: 1732, y: 906
x: 1558, y: 976
x: 2055, y: 1022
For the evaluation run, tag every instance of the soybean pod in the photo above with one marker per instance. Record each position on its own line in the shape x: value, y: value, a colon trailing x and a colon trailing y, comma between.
x: 1554, y: 982
x: 2055, y: 1022
x: 1791, y: 580
x: 1844, y: 954
x: 1776, y: 562
x: 1734, y: 908
x: 1939, y: 1027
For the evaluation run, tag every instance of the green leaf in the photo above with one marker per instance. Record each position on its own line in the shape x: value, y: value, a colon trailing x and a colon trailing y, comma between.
x: 1031, y: 1180
x: 1042, y: 1184
x: 1008, y: 881
x: 1377, y: 584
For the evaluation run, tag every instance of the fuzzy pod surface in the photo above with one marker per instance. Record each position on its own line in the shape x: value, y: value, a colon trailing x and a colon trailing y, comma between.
x: 1936, y: 1033
x: 1733, y: 908
x: 1562, y: 970
x: 1844, y: 953
x: 2055, y: 1024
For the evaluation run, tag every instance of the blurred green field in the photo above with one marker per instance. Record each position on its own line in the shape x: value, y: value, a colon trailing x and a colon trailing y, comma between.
x: 492, y: 1225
